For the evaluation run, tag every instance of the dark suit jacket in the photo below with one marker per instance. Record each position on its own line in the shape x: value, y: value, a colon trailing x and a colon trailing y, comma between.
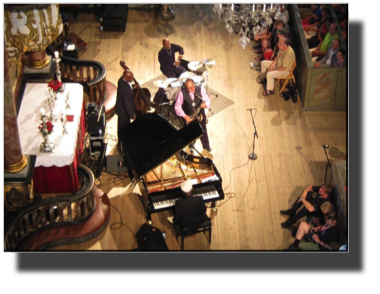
x: 125, y: 103
x: 190, y: 212
x: 167, y: 66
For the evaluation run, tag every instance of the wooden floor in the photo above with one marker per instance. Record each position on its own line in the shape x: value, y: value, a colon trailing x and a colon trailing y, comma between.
x: 289, y: 145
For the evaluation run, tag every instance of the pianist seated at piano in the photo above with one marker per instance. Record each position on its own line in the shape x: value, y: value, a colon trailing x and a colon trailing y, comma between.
x: 189, y: 211
x: 191, y: 104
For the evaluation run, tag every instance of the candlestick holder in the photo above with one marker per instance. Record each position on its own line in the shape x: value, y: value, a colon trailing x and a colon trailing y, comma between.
x: 52, y: 116
x: 58, y: 71
x: 64, y: 121
x: 46, y: 146
x: 67, y: 100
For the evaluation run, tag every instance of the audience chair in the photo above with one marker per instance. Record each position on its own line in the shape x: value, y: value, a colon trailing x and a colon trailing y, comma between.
x: 290, y: 76
x: 204, y: 227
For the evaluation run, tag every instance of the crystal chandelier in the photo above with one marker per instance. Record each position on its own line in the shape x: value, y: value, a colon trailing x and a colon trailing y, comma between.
x: 246, y: 20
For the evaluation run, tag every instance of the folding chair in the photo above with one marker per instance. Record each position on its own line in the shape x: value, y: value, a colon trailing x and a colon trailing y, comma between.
x: 290, y: 76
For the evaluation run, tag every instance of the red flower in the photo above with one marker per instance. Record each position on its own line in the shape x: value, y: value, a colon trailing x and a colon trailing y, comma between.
x: 55, y: 85
x: 49, y: 127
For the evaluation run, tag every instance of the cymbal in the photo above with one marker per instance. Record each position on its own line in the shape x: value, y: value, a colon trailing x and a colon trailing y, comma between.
x: 186, y: 75
x: 193, y: 65
x: 160, y: 84
x: 209, y: 62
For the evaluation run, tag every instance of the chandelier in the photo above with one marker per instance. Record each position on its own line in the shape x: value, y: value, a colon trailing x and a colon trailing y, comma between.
x: 247, y: 20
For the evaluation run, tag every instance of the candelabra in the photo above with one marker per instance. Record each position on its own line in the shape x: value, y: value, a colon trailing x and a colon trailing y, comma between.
x: 67, y: 100
x: 46, y: 145
x: 58, y: 70
x: 64, y: 121
x: 246, y: 20
x: 51, y: 101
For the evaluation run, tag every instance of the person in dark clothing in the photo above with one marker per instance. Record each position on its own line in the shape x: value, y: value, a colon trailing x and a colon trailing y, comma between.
x: 324, y: 237
x: 308, y: 203
x: 189, y: 211
x: 125, y: 101
x: 168, y: 65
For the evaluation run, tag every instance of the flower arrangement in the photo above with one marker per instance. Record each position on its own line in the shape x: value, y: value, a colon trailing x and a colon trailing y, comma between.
x: 55, y: 85
x: 49, y: 127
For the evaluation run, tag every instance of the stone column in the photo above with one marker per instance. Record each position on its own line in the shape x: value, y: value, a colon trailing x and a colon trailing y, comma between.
x: 14, y: 160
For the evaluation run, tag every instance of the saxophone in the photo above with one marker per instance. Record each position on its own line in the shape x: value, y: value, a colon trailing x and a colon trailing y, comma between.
x: 196, y: 111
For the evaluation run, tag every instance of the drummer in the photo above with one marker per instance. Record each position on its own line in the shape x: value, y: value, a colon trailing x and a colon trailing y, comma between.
x: 168, y: 65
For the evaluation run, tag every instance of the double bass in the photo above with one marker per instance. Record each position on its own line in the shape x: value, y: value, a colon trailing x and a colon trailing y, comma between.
x: 143, y: 104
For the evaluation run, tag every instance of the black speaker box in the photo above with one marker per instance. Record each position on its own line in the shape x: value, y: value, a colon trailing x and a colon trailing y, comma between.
x: 115, y: 163
x: 115, y: 17
x: 150, y: 238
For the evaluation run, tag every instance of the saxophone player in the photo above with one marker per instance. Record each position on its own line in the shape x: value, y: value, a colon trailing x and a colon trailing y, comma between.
x: 193, y: 101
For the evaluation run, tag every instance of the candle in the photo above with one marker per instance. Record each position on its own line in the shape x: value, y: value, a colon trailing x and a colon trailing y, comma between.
x: 271, y: 6
x: 253, y: 7
x: 42, y: 111
x: 56, y: 54
x: 232, y: 7
x: 264, y: 8
x: 220, y: 6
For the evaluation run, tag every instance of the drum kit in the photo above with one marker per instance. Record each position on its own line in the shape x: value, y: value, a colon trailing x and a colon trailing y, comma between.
x: 172, y: 86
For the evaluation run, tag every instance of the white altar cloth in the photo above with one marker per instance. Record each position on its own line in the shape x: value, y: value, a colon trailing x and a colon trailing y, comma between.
x: 35, y: 98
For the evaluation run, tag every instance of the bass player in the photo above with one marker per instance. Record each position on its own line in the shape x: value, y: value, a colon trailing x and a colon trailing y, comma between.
x: 191, y: 104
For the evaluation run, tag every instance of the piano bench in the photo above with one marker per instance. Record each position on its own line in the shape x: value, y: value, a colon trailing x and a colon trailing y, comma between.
x: 203, y: 227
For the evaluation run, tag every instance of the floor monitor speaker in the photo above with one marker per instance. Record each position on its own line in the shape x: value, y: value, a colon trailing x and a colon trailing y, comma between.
x: 150, y: 238
x: 115, y: 17
x: 115, y: 164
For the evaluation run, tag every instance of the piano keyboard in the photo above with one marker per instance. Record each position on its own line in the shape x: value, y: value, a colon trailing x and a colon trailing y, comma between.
x: 208, y: 193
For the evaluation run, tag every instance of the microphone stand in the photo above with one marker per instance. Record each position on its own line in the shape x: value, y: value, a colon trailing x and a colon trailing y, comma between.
x: 253, y: 156
x: 328, y: 161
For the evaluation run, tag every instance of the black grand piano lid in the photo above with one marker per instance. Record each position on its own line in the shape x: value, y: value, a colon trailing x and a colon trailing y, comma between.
x: 151, y: 140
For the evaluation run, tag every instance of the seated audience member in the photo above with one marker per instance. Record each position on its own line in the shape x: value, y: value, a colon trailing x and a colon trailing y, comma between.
x: 324, y: 237
x: 329, y: 59
x: 321, y: 49
x: 316, y: 25
x: 323, y: 30
x: 274, y: 38
x: 341, y: 58
x: 281, y: 33
x: 284, y: 15
x: 313, y: 21
x: 326, y: 208
x: 309, y: 203
x: 307, y: 10
x: 278, y: 68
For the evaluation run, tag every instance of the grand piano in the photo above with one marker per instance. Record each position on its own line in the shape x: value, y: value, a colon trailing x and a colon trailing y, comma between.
x: 154, y: 157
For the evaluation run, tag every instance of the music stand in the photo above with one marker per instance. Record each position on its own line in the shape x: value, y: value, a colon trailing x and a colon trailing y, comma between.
x: 253, y: 156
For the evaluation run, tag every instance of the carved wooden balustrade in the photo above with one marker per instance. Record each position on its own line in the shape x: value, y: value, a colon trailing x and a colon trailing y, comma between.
x: 51, y: 212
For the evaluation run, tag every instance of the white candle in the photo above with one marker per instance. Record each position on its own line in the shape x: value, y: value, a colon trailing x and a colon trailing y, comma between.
x: 42, y: 111
x: 56, y: 54
x: 264, y: 8
x: 232, y: 7
x: 253, y: 7
x: 271, y: 6
x: 220, y: 6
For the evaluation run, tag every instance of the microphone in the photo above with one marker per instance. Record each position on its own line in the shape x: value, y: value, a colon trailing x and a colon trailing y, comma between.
x: 249, y: 109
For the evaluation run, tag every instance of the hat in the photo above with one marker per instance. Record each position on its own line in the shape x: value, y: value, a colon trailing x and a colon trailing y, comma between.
x: 186, y: 186
x: 281, y: 32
